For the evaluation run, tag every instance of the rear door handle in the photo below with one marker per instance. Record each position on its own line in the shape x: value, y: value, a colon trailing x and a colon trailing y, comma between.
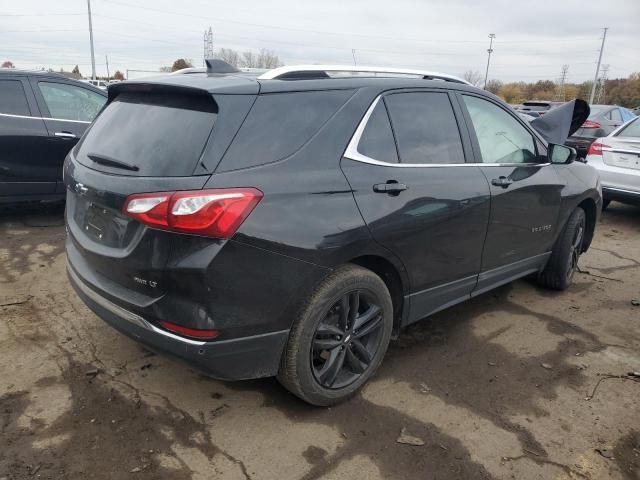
x: 503, y: 182
x: 65, y: 135
x: 391, y: 187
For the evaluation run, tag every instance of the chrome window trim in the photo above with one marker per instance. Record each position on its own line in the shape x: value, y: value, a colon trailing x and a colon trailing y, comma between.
x: 352, y: 152
x: 42, y: 118
x: 620, y: 190
x: 124, y: 313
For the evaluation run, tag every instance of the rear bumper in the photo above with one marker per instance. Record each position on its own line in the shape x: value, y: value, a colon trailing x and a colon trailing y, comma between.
x: 236, y: 359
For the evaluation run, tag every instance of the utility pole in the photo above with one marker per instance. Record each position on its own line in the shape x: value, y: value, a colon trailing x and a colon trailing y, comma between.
x: 601, y: 93
x: 353, y: 54
x: 560, y: 95
x: 490, y: 51
x: 106, y: 59
x: 93, y: 58
x: 595, y: 79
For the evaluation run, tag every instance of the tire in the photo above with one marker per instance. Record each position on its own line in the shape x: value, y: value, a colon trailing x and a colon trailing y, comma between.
x: 558, y: 273
x: 334, y: 348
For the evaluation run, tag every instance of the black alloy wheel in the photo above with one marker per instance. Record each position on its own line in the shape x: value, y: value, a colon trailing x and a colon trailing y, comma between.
x: 346, y: 340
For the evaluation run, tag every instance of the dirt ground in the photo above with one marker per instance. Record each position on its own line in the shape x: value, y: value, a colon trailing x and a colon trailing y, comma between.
x: 511, y: 385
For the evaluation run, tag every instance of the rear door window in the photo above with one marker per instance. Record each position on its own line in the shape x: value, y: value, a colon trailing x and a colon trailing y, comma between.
x: 377, y: 140
x: 69, y: 102
x: 425, y: 128
x: 13, y: 100
x: 279, y: 124
x: 150, y: 134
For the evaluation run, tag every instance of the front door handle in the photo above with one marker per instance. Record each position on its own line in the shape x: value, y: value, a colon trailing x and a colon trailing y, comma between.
x: 392, y: 187
x: 503, y: 182
x: 65, y: 135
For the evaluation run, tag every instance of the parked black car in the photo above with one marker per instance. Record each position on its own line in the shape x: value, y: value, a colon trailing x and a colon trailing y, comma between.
x: 42, y: 116
x: 288, y: 225
x: 603, y: 120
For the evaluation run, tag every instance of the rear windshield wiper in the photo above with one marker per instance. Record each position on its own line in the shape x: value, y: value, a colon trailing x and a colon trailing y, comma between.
x: 112, y: 162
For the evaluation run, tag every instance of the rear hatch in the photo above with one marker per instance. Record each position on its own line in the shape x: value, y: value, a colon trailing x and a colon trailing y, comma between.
x: 147, y: 139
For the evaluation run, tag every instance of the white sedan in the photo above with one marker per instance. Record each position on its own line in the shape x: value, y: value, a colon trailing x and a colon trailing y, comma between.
x: 617, y: 159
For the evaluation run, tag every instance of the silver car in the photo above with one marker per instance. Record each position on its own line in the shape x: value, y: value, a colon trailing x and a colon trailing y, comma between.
x: 617, y: 159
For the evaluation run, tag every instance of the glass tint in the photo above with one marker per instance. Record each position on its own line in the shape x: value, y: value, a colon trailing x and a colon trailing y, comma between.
x: 68, y: 102
x: 279, y: 124
x: 501, y: 137
x: 12, y: 98
x: 377, y: 139
x: 162, y: 135
x: 425, y: 128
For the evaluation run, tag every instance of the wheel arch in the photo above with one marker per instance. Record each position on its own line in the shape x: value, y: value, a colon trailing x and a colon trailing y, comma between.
x: 392, y: 278
x: 591, y: 211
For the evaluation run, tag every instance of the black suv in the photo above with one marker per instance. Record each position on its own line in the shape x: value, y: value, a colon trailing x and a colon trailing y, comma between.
x: 42, y: 116
x: 289, y: 224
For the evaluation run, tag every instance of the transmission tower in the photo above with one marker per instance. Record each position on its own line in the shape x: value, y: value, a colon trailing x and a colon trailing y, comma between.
x: 208, y: 45
x: 560, y: 93
x: 601, y: 94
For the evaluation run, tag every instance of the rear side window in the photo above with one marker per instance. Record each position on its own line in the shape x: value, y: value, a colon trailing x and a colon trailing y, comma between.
x: 377, y: 138
x: 615, y: 115
x: 279, y: 124
x: 160, y: 134
x: 69, y: 102
x: 12, y: 98
x: 425, y: 128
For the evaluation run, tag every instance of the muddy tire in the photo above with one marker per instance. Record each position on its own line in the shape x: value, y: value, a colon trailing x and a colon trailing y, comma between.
x: 340, y: 337
x: 563, y: 262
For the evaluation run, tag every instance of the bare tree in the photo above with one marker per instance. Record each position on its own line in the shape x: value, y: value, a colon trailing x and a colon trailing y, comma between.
x: 263, y: 59
x: 229, y: 55
x: 474, y: 77
x: 494, y: 86
x: 165, y: 69
x: 8, y: 64
x: 181, y: 63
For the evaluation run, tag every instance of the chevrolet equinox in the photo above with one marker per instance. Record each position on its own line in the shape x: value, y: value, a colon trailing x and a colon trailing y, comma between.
x: 289, y: 224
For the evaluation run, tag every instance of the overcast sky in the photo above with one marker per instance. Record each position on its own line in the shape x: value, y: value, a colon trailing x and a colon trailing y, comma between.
x: 533, y: 38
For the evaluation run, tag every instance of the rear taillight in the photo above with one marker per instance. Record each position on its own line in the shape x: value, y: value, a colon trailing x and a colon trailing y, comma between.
x: 596, y: 148
x: 214, y: 213
x: 590, y: 124
x: 190, y: 332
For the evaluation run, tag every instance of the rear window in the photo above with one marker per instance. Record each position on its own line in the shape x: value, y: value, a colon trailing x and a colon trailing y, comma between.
x: 631, y: 130
x: 595, y: 110
x: 279, y: 124
x: 154, y: 134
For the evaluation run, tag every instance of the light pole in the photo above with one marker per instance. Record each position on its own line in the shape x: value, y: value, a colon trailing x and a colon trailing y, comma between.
x: 490, y: 51
x: 93, y: 58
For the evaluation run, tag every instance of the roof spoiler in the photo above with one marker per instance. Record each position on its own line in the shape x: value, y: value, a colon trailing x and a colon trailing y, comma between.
x: 561, y: 122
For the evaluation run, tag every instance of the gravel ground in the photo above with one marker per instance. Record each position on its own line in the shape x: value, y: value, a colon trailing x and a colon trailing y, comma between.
x: 518, y: 383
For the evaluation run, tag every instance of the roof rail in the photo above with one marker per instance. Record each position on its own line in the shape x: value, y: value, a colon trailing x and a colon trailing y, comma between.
x: 322, y: 71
